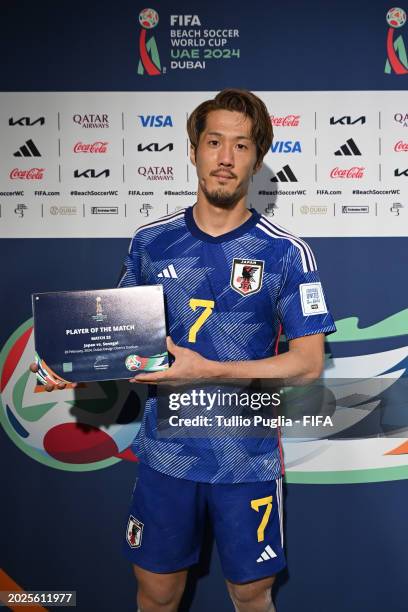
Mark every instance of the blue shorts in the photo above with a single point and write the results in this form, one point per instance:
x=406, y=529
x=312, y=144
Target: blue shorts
x=167, y=516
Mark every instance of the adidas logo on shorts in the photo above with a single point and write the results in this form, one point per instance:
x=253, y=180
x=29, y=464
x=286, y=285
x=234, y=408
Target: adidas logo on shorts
x=267, y=554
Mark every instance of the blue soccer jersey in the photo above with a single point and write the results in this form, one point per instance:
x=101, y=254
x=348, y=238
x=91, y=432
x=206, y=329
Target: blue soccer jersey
x=228, y=298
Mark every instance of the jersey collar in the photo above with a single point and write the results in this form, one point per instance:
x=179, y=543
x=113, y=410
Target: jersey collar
x=235, y=233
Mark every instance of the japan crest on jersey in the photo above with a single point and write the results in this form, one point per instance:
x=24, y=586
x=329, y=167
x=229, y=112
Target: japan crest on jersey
x=134, y=532
x=246, y=276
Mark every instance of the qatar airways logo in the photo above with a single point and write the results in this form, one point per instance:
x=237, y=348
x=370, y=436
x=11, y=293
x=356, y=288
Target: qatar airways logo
x=96, y=147
x=156, y=173
x=91, y=120
x=401, y=147
x=401, y=118
x=285, y=121
x=355, y=172
x=29, y=175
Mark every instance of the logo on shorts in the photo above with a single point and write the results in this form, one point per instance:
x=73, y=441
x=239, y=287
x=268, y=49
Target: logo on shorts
x=246, y=276
x=134, y=532
x=267, y=554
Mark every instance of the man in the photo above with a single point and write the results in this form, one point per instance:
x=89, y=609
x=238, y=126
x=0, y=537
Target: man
x=236, y=281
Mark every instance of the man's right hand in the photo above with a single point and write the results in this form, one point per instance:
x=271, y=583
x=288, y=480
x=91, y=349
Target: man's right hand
x=49, y=387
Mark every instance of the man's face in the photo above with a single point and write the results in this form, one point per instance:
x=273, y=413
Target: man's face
x=225, y=157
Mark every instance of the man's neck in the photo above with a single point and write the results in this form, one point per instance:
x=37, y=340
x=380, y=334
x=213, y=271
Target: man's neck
x=216, y=221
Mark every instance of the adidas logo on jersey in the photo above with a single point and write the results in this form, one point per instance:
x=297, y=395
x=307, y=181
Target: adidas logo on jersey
x=267, y=554
x=168, y=272
x=348, y=148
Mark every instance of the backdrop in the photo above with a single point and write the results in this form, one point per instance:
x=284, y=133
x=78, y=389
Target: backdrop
x=93, y=144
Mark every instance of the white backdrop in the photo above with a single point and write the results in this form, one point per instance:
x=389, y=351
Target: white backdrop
x=109, y=140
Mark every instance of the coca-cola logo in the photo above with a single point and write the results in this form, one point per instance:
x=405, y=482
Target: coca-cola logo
x=29, y=175
x=96, y=147
x=401, y=146
x=285, y=121
x=356, y=172
x=91, y=120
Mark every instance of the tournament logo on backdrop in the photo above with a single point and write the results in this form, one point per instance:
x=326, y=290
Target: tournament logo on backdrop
x=89, y=428
x=93, y=427
x=149, y=61
x=246, y=276
x=188, y=44
x=366, y=377
x=397, y=61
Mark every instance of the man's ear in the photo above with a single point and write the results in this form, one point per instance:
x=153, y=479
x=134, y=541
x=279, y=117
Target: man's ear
x=257, y=167
x=192, y=155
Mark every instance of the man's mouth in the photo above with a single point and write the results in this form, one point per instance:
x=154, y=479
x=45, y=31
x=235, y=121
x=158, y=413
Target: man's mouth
x=223, y=175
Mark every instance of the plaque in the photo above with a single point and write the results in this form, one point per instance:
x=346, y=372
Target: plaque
x=96, y=335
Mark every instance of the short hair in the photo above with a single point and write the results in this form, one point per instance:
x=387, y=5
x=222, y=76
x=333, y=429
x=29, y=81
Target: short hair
x=242, y=101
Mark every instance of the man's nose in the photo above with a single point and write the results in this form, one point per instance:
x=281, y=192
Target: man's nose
x=226, y=155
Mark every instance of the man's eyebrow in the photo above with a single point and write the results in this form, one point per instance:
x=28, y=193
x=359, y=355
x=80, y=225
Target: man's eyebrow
x=236, y=137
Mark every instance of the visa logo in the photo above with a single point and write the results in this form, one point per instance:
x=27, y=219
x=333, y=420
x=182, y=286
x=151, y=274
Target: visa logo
x=156, y=120
x=286, y=146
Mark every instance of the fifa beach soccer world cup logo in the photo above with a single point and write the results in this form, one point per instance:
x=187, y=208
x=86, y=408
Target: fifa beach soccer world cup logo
x=149, y=61
x=397, y=62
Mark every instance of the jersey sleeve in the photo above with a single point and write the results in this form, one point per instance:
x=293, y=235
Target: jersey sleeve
x=130, y=275
x=302, y=305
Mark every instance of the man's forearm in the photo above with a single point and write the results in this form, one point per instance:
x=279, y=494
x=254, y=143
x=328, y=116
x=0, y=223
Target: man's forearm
x=303, y=361
x=291, y=365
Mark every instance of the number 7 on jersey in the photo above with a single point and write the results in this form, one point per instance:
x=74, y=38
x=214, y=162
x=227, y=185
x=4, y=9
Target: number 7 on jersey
x=208, y=306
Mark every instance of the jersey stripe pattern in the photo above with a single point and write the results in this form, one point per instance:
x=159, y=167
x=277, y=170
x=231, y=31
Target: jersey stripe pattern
x=227, y=297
